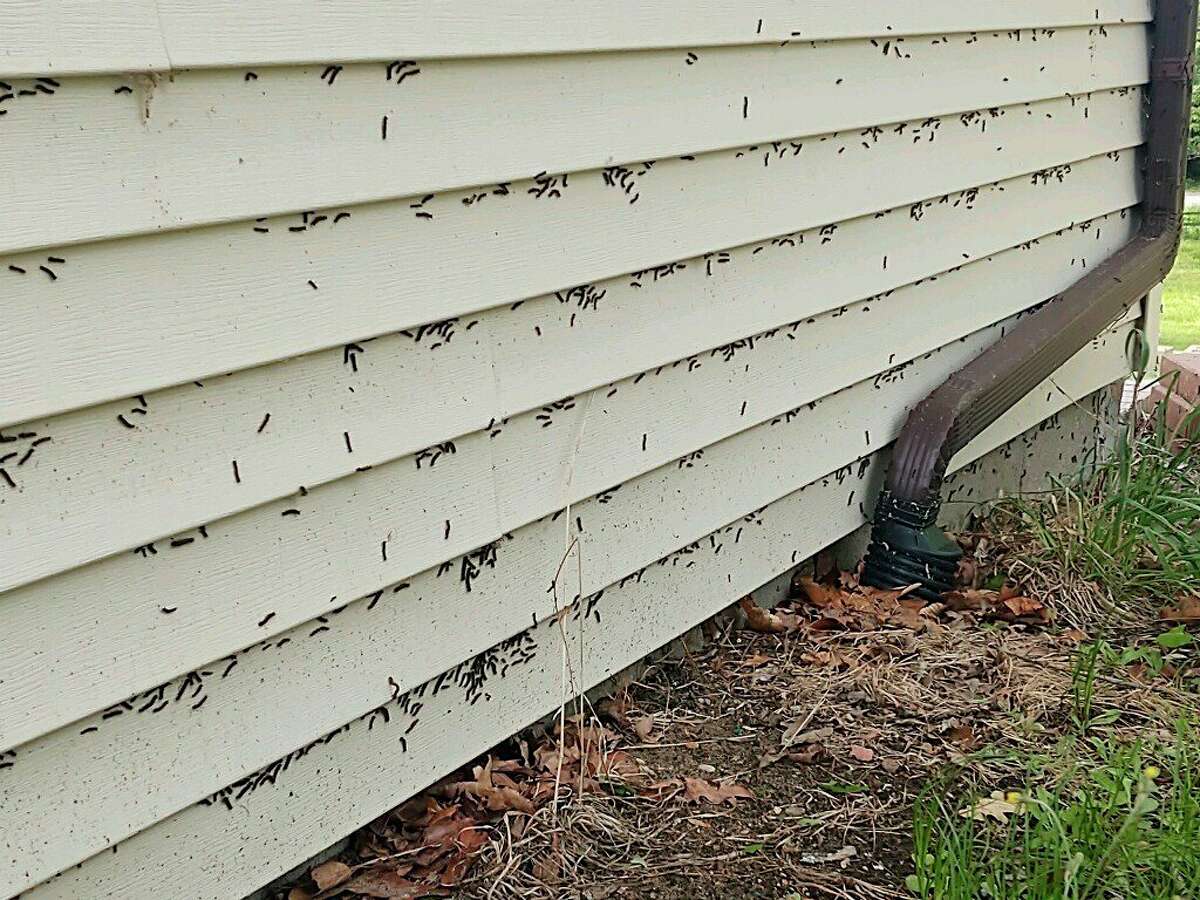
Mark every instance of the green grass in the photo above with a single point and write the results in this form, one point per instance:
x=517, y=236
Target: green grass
x=1096, y=817
x=1111, y=820
x=1131, y=526
x=1181, y=293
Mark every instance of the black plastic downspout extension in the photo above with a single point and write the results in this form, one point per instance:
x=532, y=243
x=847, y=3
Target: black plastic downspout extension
x=907, y=547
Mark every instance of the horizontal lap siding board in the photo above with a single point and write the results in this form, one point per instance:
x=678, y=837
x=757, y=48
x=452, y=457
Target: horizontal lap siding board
x=156, y=613
x=215, y=145
x=286, y=424
x=280, y=816
x=75, y=36
x=126, y=317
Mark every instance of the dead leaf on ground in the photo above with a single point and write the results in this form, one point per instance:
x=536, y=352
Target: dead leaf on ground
x=1026, y=608
x=997, y=807
x=862, y=754
x=329, y=874
x=820, y=595
x=1186, y=610
x=299, y=893
x=1008, y=590
x=388, y=885
x=759, y=619
x=810, y=754
x=793, y=736
x=825, y=658
x=697, y=789
x=861, y=608
x=495, y=790
x=963, y=736
x=1006, y=605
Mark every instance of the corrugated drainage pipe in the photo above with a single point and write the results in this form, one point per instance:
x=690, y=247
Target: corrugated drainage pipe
x=907, y=547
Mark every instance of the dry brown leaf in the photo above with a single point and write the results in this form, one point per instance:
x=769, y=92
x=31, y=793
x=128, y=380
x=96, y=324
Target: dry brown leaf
x=969, y=601
x=499, y=797
x=832, y=658
x=891, y=765
x=997, y=807
x=754, y=660
x=1024, y=607
x=1074, y=636
x=862, y=754
x=389, y=885
x=820, y=595
x=962, y=735
x=759, y=619
x=1186, y=610
x=329, y=874
x=826, y=623
x=299, y=893
x=661, y=790
x=1008, y=591
x=809, y=755
x=792, y=736
x=697, y=789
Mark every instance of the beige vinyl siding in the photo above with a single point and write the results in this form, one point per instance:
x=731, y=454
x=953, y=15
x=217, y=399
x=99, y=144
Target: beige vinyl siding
x=297, y=419
x=413, y=391
x=210, y=146
x=144, y=314
x=86, y=36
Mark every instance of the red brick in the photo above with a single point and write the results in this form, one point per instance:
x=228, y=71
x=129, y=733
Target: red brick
x=1177, y=409
x=1188, y=367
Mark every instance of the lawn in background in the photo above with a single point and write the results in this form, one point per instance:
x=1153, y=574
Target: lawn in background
x=1181, y=293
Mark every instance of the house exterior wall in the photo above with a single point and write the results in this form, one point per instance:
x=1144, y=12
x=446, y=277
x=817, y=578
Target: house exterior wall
x=374, y=380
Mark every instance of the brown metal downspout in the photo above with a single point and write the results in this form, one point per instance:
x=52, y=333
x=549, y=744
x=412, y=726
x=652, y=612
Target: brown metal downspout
x=906, y=545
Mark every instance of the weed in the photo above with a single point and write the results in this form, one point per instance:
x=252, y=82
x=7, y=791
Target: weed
x=1125, y=534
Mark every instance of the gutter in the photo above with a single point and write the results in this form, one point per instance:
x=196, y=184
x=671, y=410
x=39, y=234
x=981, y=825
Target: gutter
x=907, y=547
